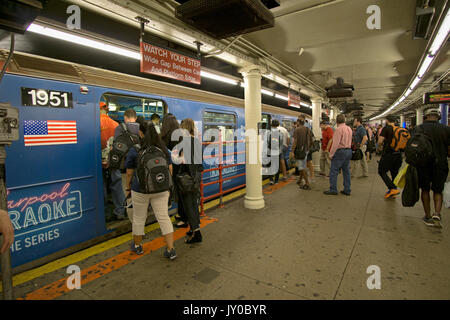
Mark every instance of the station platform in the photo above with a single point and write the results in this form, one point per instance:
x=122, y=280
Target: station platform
x=302, y=245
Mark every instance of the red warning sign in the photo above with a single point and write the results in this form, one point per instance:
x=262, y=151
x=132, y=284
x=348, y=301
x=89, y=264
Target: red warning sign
x=293, y=99
x=169, y=64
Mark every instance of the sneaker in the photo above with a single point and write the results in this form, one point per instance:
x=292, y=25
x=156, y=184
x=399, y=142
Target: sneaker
x=272, y=183
x=330, y=193
x=392, y=193
x=170, y=254
x=437, y=218
x=428, y=221
x=137, y=250
x=345, y=193
x=284, y=179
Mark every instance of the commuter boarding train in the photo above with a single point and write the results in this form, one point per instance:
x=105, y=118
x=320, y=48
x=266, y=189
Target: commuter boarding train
x=54, y=172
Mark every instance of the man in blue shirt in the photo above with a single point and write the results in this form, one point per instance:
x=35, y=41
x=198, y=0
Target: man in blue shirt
x=360, y=140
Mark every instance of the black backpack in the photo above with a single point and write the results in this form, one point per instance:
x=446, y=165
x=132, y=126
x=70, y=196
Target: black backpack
x=419, y=149
x=120, y=147
x=153, y=171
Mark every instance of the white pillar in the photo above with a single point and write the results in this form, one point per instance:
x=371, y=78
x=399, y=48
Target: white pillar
x=419, y=116
x=254, y=198
x=316, y=115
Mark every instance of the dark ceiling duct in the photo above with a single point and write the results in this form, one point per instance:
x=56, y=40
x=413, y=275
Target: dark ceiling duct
x=225, y=18
x=17, y=15
x=340, y=89
x=424, y=16
x=351, y=107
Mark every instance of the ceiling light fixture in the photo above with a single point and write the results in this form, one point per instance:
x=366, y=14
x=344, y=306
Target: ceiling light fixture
x=438, y=41
x=282, y=97
x=216, y=77
x=53, y=33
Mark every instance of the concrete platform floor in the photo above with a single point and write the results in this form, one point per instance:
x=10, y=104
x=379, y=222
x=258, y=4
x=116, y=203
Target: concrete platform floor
x=303, y=245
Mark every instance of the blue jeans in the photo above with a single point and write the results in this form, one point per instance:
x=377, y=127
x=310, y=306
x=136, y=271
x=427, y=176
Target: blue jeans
x=341, y=160
x=118, y=197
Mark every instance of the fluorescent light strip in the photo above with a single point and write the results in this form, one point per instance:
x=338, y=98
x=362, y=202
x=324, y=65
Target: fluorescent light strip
x=267, y=92
x=305, y=105
x=50, y=32
x=441, y=35
x=216, y=77
x=61, y=35
x=282, y=97
x=425, y=65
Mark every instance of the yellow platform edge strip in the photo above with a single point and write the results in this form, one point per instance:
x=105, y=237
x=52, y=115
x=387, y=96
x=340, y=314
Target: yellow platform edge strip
x=102, y=247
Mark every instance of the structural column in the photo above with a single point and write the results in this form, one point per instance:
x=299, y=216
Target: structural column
x=419, y=116
x=254, y=198
x=316, y=114
x=444, y=113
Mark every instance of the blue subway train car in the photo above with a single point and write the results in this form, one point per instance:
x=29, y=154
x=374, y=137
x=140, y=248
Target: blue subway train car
x=54, y=173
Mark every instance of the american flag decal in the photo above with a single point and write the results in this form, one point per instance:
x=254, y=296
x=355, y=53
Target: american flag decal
x=45, y=133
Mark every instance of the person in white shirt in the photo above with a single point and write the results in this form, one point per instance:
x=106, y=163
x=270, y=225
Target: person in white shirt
x=285, y=151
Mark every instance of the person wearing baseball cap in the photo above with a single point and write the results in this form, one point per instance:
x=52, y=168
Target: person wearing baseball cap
x=433, y=177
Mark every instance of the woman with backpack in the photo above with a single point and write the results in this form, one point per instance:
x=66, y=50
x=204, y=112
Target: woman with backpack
x=189, y=177
x=168, y=127
x=150, y=185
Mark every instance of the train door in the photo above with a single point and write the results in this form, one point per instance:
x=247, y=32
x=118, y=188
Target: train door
x=117, y=104
x=232, y=152
x=288, y=124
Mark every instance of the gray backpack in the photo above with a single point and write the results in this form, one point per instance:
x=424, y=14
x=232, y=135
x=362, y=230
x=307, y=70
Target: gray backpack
x=153, y=171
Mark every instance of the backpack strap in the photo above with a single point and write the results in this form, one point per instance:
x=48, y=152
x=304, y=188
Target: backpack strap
x=124, y=126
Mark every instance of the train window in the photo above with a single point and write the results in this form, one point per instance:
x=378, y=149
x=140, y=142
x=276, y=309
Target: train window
x=118, y=104
x=225, y=122
x=217, y=117
x=265, y=118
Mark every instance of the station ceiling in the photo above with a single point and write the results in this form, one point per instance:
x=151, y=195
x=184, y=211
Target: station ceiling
x=333, y=37
x=312, y=43
x=337, y=43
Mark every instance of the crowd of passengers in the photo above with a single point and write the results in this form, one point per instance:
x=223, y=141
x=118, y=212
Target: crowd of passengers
x=155, y=136
x=347, y=146
x=343, y=148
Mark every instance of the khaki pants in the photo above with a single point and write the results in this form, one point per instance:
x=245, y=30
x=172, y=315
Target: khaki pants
x=325, y=162
x=160, y=206
x=355, y=163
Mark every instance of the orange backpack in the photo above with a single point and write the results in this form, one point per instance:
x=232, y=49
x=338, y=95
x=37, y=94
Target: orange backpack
x=399, y=139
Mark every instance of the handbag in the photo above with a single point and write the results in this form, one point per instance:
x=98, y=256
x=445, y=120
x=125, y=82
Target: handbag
x=357, y=154
x=315, y=147
x=185, y=183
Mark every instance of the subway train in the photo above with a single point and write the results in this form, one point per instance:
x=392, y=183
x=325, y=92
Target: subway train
x=54, y=173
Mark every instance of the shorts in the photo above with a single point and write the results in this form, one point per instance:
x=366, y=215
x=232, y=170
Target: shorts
x=433, y=178
x=301, y=164
x=309, y=157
